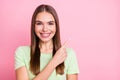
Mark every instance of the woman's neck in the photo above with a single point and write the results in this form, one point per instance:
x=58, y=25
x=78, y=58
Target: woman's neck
x=46, y=47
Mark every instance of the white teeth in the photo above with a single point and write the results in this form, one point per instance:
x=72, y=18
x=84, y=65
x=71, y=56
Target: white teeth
x=45, y=34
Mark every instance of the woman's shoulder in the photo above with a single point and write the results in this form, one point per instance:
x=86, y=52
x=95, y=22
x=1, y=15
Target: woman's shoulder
x=23, y=47
x=22, y=56
x=22, y=50
x=70, y=51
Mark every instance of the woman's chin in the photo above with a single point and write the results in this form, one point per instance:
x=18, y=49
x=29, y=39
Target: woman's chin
x=45, y=40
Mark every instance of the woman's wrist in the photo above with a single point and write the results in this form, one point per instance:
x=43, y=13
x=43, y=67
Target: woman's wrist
x=54, y=63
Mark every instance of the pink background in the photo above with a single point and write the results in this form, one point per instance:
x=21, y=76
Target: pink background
x=92, y=25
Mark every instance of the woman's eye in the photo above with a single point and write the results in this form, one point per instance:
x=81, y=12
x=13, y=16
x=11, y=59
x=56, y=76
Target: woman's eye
x=38, y=23
x=51, y=23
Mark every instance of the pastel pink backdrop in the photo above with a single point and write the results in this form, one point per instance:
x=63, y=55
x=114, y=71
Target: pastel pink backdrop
x=92, y=25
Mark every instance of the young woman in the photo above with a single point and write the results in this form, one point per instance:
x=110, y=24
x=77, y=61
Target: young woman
x=45, y=58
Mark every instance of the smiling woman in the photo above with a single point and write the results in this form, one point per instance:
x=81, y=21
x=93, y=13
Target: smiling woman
x=45, y=27
x=45, y=58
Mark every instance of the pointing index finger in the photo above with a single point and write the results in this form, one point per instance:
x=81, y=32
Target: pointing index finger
x=65, y=44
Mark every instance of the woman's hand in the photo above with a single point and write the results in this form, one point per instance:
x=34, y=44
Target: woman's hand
x=60, y=55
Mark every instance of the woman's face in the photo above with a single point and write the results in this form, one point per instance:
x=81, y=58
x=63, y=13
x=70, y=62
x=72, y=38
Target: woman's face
x=45, y=26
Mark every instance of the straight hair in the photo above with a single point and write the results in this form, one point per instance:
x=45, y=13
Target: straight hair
x=34, y=47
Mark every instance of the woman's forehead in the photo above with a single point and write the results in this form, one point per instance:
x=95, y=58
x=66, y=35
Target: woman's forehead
x=44, y=17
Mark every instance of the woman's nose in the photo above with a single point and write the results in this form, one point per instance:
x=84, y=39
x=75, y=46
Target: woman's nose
x=45, y=27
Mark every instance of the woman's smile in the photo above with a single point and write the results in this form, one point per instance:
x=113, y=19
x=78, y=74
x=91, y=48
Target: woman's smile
x=45, y=35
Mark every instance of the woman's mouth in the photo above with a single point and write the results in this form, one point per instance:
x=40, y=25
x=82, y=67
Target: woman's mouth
x=45, y=35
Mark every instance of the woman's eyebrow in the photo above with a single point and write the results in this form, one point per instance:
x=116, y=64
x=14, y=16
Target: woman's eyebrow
x=48, y=21
x=38, y=21
x=51, y=21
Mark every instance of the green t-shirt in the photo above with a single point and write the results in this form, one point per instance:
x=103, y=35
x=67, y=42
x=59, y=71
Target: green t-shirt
x=22, y=58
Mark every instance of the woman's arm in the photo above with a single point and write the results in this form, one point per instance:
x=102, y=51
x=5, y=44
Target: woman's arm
x=46, y=72
x=58, y=58
x=21, y=73
x=72, y=76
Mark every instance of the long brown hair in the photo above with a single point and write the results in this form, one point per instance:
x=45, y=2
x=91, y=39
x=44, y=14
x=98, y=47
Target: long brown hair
x=35, y=50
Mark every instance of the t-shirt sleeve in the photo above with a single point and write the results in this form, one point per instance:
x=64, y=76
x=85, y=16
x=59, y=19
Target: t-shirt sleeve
x=73, y=64
x=19, y=58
